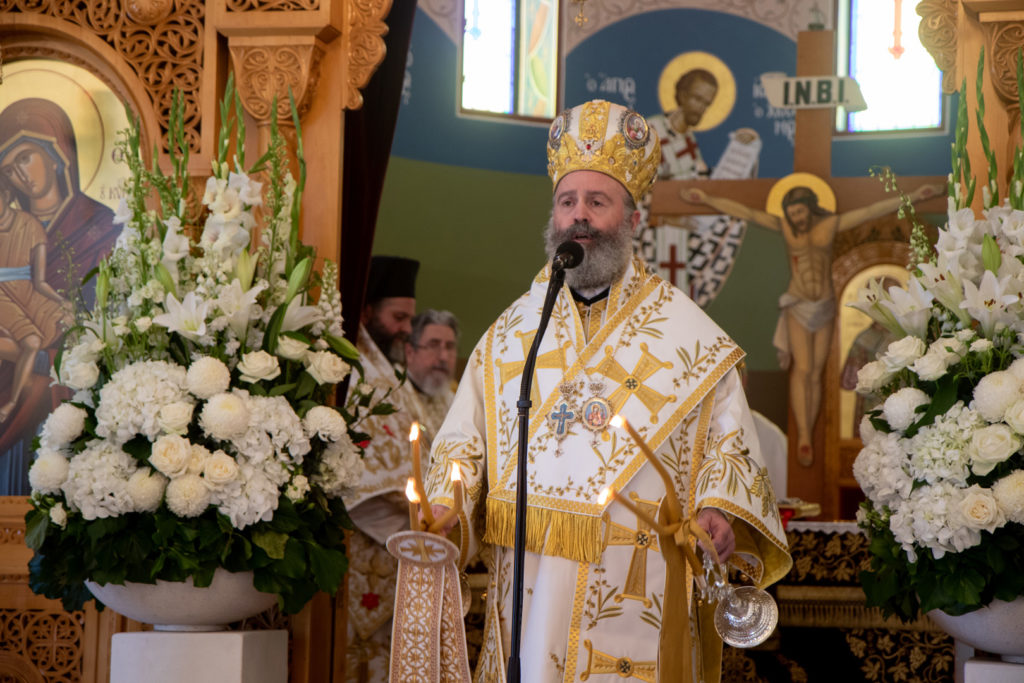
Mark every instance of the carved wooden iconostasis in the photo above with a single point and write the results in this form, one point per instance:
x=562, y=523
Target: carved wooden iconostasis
x=66, y=74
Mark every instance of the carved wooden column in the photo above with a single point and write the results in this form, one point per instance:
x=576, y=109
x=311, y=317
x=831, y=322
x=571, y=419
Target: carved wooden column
x=954, y=32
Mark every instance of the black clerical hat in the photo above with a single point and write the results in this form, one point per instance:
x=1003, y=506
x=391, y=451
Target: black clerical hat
x=391, y=276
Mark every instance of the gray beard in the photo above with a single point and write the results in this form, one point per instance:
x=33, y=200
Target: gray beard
x=605, y=259
x=432, y=383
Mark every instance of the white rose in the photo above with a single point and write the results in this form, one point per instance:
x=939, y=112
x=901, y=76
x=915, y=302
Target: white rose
x=146, y=489
x=872, y=376
x=900, y=409
x=79, y=376
x=326, y=367
x=994, y=393
x=207, y=376
x=188, y=496
x=65, y=424
x=1009, y=493
x=48, y=473
x=981, y=345
x=220, y=469
x=930, y=366
x=58, y=515
x=171, y=455
x=224, y=417
x=950, y=346
x=144, y=323
x=990, y=446
x=200, y=454
x=903, y=352
x=979, y=510
x=257, y=366
x=175, y=417
x=291, y=348
x=1015, y=417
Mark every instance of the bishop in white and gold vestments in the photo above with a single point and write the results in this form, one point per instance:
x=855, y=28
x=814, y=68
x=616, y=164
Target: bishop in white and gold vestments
x=594, y=573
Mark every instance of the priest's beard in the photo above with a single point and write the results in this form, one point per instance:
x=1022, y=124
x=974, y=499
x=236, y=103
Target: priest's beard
x=391, y=345
x=605, y=258
x=433, y=382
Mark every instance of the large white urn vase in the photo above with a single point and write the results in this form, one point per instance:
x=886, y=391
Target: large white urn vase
x=997, y=628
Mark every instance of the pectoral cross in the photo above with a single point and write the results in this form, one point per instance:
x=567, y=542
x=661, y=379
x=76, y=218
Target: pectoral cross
x=642, y=539
x=632, y=383
x=602, y=663
x=561, y=416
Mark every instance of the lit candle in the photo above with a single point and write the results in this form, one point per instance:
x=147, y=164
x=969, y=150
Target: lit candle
x=634, y=508
x=414, y=499
x=417, y=472
x=674, y=507
x=456, y=508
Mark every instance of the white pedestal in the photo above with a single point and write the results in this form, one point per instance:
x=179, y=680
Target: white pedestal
x=992, y=671
x=219, y=657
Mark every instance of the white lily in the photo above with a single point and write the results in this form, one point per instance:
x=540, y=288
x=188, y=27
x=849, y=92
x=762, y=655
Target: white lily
x=186, y=317
x=944, y=286
x=297, y=316
x=912, y=307
x=869, y=301
x=987, y=303
x=176, y=245
x=238, y=305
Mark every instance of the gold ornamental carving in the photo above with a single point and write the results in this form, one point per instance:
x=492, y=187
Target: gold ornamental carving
x=938, y=35
x=365, y=30
x=272, y=5
x=1002, y=40
x=148, y=11
x=266, y=71
x=165, y=55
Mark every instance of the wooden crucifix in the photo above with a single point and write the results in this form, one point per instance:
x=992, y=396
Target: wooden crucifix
x=857, y=199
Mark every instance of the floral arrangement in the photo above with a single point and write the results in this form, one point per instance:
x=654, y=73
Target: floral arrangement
x=199, y=434
x=942, y=465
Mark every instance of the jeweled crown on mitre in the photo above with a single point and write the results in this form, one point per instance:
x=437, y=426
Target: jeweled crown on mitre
x=605, y=137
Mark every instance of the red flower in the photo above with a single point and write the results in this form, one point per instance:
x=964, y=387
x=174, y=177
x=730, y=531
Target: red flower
x=370, y=600
x=364, y=443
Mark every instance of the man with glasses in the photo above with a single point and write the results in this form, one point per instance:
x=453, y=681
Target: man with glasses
x=430, y=355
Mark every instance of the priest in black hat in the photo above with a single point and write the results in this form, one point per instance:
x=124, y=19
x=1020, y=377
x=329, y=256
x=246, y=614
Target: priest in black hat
x=377, y=504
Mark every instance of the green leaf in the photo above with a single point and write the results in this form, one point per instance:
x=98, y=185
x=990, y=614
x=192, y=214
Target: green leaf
x=297, y=279
x=273, y=329
x=272, y=542
x=36, y=522
x=991, y=258
x=343, y=347
x=328, y=567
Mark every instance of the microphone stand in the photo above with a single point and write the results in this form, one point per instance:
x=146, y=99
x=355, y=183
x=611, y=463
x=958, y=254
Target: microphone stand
x=523, y=404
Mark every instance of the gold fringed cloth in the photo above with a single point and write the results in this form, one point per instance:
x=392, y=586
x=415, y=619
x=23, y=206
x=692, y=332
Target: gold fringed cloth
x=428, y=636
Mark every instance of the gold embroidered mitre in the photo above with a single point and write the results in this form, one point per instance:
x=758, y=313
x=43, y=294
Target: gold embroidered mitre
x=605, y=137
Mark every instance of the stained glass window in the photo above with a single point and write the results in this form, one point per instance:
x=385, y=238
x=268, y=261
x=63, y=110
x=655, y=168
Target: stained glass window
x=509, y=57
x=878, y=46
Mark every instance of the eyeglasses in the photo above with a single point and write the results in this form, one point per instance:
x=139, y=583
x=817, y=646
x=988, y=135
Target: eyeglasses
x=436, y=346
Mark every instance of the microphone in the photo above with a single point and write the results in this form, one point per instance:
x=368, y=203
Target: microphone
x=568, y=255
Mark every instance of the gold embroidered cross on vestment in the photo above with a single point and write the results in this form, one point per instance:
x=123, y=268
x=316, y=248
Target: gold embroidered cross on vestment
x=642, y=539
x=632, y=383
x=601, y=663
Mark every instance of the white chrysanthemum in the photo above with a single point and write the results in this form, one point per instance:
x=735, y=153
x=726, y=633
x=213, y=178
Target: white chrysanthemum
x=340, y=468
x=881, y=470
x=225, y=416
x=171, y=455
x=220, y=469
x=59, y=515
x=97, y=483
x=48, y=473
x=900, y=408
x=65, y=424
x=940, y=450
x=1009, y=493
x=146, y=489
x=325, y=423
x=1017, y=369
x=902, y=352
x=187, y=496
x=992, y=445
x=131, y=401
x=994, y=393
x=207, y=377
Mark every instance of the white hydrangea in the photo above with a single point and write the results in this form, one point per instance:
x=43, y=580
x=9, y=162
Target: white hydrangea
x=97, y=483
x=926, y=519
x=900, y=408
x=208, y=376
x=65, y=424
x=225, y=416
x=252, y=498
x=1009, y=493
x=340, y=468
x=274, y=431
x=187, y=496
x=297, y=489
x=939, y=451
x=49, y=472
x=994, y=393
x=131, y=401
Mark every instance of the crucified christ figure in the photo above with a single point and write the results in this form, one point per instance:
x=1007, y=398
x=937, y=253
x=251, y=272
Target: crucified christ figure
x=808, y=306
